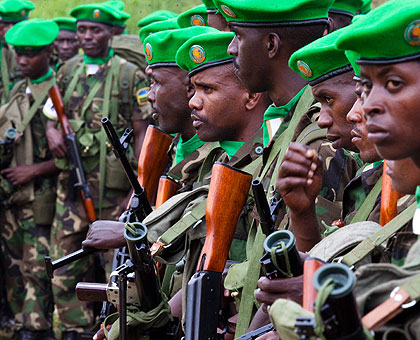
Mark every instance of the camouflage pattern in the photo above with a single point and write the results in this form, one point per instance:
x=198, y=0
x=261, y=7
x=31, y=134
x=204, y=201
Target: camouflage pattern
x=358, y=189
x=130, y=48
x=12, y=68
x=70, y=223
x=25, y=242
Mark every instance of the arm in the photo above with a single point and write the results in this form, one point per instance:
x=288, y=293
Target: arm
x=55, y=140
x=23, y=174
x=105, y=235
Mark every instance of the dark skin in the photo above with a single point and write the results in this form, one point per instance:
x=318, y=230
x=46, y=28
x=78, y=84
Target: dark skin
x=217, y=21
x=338, y=21
x=33, y=66
x=359, y=133
x=336, y=96
x=222, y=108
x=66, y=45
x=4, y=27
x=405, y=175
x=171, y=111
x=391, y=105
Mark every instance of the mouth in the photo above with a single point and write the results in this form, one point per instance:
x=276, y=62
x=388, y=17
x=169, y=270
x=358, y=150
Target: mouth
x=196, y=122
x=389, y=171
x=376, y=134
x=355, y=136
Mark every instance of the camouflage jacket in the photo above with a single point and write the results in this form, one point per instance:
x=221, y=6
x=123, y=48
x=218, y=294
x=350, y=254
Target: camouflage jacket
x=11, y=68
x=358, y=189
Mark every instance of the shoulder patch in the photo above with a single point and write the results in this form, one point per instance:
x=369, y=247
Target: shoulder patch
x=142, y=96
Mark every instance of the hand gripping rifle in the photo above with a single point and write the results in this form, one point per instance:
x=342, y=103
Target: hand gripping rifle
x=80, y=180
x=227, y=195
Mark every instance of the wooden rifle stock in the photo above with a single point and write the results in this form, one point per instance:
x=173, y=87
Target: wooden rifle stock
x=310, y=266
x=389, y=198
x=70, y=137
x=87, y=291
x=166, y=189
x=153, y=159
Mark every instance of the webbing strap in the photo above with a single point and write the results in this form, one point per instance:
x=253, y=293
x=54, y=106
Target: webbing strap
x=5, y=74
x=73, y=83
x=368, y=204
x=365, y=247
x=35, y=106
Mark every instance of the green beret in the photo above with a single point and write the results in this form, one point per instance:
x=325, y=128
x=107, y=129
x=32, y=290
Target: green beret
x=160, y=15
x=32, y=35
x=118, y=7
x=266, y=12
x=160, y=48
x=205, y=51
x=366, y=7
x=196, y=16
x=347, y=7
x=353, y=57
x=210, y=6
x=156, y=27
x=320, y=60
x=68, y=24
x=115, y=4
x=389, y=33
x=98, y=13
x=15, y=10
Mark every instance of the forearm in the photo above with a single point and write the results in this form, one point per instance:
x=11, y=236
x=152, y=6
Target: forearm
x=305, y=228
x=44, y=168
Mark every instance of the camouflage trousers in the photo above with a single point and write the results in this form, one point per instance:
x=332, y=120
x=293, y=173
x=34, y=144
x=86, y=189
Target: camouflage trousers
x=69, y=230
x=28, y=289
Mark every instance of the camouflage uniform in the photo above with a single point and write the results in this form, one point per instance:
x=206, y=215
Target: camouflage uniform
x=70, y=224
x=9, y=68
x=26, y=236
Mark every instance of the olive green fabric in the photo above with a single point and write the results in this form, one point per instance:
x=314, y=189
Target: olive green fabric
x=347, y=7
x=156, y=27
x=156, y=16
x=352, y=57
x=33, y=34
x=161, y=48
x=389, y=33
x=203, y=51
x=320, y=60
x=99, y=13
x=15, y=10
x=366, y=7
x=196, y=16
x=68, y=24
x=261, y=12
x=210, y=6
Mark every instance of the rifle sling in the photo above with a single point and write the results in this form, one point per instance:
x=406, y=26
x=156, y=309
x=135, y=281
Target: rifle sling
x=5, y=73
x=280, y=147
x=368, y=204
x=365, y=247
x=394, y=305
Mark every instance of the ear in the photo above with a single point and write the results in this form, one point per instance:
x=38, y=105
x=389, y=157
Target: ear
x=190, y=89
x=252, y=100
x=330, y=27
x=49, y=50
x=272, y=44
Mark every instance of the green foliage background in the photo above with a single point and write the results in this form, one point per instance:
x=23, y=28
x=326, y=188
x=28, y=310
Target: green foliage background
x=137, y=8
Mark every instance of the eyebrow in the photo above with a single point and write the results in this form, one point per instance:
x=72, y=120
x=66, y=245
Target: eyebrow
x=381, y=73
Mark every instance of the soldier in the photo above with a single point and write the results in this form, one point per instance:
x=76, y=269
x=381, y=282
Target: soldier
x=214, y=18
x=66, y=45
x=342, y=12
x=30, y=207
x=11, y=12
x=99, y=85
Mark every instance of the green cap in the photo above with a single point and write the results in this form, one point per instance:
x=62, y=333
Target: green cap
x=366, y=7
x=196, y=16
x=389, y=33
x=160, y=48
x=156, y=27
x=68, y=24
x=353, y=57
x=98, y=13
x=118, y=7
x=160, y=15
x=266, y=12
x=115, y=4
x=347, y=7
x=204, y=51
x=15, y=10
x=32, y=35
x=210, y=6
x=320, y=60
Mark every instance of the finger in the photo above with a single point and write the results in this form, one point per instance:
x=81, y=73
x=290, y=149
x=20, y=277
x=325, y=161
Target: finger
x=297, y=157
x=289, y=183
x=290, y=168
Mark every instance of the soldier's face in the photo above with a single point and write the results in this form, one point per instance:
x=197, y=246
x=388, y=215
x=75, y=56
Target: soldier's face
x=359, y=133
x=247, y=50
x=4, y=27
x=337, y=97
x=66, y=44
x=94, y=38
x=391, y=106
x=218, y=21
x=35, y=64
x=169, y=98
x=218, y=104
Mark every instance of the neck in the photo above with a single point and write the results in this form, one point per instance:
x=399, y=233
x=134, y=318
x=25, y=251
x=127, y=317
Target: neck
x=188, y=134
x=104, y=54
x=287, y=84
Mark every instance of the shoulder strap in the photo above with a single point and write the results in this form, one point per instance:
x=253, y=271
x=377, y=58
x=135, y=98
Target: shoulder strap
x=5, y=73
x=311, y=133
x=126, y=82
x=369, y=244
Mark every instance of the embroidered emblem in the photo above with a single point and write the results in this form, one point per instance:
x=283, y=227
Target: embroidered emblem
x=197, y=20
x=197, y=54
x=412, y=33
x=23, y=13
x=149, y=51
x=304, y=68
x=142, y=96
x=228, y=11
x=96, y=14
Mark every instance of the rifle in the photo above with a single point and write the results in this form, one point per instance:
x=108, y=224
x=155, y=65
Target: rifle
x=227, y=195
x=389, y=198
x=263, y=209
x=6, y=147
x=166, y=189
x=78, y=175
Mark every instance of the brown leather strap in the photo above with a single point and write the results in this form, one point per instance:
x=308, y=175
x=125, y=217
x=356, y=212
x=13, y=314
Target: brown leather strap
x=156, y=248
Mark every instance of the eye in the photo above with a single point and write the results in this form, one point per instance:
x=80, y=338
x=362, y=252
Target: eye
x=207, y=89
x=328, y=99
x=393, y=84
x=366, y=86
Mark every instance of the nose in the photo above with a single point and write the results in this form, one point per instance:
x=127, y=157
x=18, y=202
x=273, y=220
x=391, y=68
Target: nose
x=151, y=95
x=372, y=103
x=22, y=60
x=325, y=120
x=233, y=47
x=355, y=114
x=195, y=102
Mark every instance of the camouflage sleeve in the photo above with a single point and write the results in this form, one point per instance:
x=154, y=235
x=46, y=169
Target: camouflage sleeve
x=141, y=109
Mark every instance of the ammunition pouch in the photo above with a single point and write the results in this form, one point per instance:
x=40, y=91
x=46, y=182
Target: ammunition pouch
x=44, y=206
